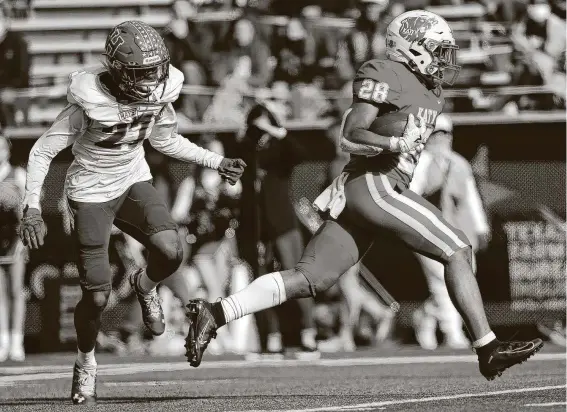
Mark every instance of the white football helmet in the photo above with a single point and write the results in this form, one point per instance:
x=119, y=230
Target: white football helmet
x=425, y=42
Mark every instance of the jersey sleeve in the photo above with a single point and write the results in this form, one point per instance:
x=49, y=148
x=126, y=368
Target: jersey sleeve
x=67, y=128
x=376, y=83
x=165, y=139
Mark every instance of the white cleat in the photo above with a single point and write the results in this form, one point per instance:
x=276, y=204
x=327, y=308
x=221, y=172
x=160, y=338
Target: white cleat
x=17, y=353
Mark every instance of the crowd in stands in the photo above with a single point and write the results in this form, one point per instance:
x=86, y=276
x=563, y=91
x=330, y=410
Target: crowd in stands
x=303, y=54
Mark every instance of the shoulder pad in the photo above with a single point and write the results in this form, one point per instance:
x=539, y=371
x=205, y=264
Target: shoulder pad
x=86, y=91
x=173, y=85
x=379, y=70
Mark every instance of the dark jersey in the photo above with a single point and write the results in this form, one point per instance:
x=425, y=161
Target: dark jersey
x=393, y=87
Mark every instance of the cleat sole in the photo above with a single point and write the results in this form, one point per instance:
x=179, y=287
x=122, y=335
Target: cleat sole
x=191, y=341
x=500, y=371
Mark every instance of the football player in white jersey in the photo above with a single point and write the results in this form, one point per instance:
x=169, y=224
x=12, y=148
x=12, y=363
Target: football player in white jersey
x=111, y=111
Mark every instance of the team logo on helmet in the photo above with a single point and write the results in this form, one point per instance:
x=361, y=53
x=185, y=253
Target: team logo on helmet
x=414, y=28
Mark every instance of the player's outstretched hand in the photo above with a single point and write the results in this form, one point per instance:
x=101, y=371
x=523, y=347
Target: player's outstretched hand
x=32, y=228
x=413, y=132
x=231, y=169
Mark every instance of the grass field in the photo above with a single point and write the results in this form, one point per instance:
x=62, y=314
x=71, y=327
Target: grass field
x=397, y=379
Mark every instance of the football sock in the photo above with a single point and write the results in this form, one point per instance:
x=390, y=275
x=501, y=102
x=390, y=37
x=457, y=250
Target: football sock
x=17, y=339
x=274, y=342
x=87, y=319
x=145, y=284
x=86, y=358
x=308, y=338
x=486, y=344
x=4, y=339
x=265, y=292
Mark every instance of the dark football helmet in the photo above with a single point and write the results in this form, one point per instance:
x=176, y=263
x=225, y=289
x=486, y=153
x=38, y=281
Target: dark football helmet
x=137, y=59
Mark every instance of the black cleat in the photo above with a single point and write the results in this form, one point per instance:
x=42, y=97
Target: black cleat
x=83, y=390
x=202, y=328
x=152, y=313
x=507, y=354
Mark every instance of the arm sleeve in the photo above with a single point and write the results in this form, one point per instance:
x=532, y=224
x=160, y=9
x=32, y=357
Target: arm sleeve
x=165, y=139
x=68, y=127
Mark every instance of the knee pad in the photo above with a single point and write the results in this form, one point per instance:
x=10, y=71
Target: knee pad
x=96, y=299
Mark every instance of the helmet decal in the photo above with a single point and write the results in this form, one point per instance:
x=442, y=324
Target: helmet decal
x=414, y=28
x=115, y=40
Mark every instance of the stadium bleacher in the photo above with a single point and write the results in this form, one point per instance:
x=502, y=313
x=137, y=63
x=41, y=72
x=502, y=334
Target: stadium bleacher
x=68, y=35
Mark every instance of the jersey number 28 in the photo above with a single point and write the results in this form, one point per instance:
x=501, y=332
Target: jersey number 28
x=373, y=90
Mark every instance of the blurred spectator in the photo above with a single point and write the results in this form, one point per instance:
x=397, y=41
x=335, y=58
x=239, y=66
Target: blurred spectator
x=242, y=62
x=206, y=209
x=540, y=37
x=366, y=41
x=266, y=206
x=243, y=50
x=14, y=71
x=445, y=178
x=297, y=67
x=12, y=258
x=295, y=52
x=189, y=45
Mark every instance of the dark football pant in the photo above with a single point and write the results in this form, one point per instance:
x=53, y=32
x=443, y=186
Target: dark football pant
x=140, y=212
x=376, y=207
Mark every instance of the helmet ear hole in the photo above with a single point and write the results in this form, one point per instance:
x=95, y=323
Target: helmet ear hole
x=415, y=52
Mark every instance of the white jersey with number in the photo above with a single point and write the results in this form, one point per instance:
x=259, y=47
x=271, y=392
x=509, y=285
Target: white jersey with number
x=107, y=138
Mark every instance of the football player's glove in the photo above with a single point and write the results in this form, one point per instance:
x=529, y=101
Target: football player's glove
x=412, y=134
x=231, y=169
x=32, y=228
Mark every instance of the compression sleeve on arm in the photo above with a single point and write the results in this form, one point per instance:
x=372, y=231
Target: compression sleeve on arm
x=68, y=126
x=165, y=139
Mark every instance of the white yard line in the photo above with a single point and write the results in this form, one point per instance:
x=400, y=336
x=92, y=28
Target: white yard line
x=378, y=405
x=543, y=405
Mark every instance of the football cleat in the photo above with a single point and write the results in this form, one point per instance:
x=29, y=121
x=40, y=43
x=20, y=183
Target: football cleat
x=307, y=353
x=17, y=353
x=83, y=390
x=152, y=312
x=507, y=354
x=202, y=328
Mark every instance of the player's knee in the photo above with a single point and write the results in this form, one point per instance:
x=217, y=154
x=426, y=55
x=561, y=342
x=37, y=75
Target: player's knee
x=169, y=250
x=311, y=285
x=97, y=300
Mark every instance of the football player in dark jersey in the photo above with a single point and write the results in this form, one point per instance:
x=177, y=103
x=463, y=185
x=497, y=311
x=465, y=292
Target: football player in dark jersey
x=111, y=111
x=371, y=198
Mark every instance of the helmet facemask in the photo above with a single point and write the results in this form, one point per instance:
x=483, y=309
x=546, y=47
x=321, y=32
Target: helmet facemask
x=443, y=66
x=139, y=83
